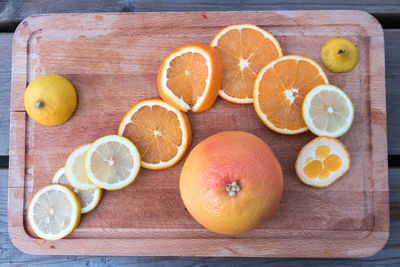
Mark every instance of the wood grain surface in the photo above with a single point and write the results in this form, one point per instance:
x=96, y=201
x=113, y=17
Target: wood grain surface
x=388, y=256
x=112, y=70
x=392, y=63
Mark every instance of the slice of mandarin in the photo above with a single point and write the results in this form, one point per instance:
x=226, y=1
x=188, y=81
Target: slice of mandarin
x=322, y=161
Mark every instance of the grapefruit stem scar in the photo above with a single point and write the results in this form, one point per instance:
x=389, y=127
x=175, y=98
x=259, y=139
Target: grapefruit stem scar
x=232, y=188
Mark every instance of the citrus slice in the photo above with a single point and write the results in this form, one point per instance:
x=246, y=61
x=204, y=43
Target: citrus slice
x=89, y=199
x=328, y=111
x=322, y=161
x=279, y=91
x=75, y=170
x=54, y=212
x=190, y=77
x=161, y=133
x=112, y=162
x=244, y=50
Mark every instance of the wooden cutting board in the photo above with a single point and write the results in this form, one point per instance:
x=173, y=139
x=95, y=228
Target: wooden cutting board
x=113, y=59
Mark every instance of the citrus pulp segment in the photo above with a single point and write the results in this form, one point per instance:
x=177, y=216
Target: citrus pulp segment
x=279, y=91
x=244, y=50
x=322, y=161
x=190, y=77
x=54, y=212
x=112, y=162
x=161, y=133
x=328, y=111
x=75, y=169
x=89, y=199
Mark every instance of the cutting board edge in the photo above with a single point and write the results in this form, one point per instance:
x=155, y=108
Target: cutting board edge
x=20, y=237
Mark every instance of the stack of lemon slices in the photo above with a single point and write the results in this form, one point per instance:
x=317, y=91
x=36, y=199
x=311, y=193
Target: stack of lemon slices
x=111, y=162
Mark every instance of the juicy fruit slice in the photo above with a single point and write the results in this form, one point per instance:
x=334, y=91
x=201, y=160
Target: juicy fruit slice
x=279, y=91
x=54, y=212
x=322, y=161
x=161, y=133
x=231, y=182
x=89, y=199
x=75, y=169
x=244, y=50
x=328, y=111
x=112, y=162
x=190, y=77
x=339, y=55
x=50, y=99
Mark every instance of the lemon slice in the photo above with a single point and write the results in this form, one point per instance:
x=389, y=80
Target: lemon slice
x=322, y=161
x=89, y=199
x=112, y=162
x=328, y=111
x=54, y=212
x=75, y=170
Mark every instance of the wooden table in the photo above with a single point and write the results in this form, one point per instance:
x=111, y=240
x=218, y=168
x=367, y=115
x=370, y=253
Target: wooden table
x=388, y=14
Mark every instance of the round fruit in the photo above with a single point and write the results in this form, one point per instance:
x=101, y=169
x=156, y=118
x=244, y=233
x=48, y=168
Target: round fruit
x=190, y=77
x=54, y=212
x=244, y=50
x=50, y=99
x=89, y=199
x=327, y=111
x=112, y=162
x=231, y=182
x=322, y=162
x=339, y=55
x=161, y=133
x=279, y=91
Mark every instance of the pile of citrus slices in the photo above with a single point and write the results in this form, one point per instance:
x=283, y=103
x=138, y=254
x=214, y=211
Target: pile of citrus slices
x=243, y=64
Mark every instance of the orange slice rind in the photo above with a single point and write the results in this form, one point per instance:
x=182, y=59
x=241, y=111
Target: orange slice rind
x=161, y=133
x=279, y=91
x=190, y=77
x=244, y=50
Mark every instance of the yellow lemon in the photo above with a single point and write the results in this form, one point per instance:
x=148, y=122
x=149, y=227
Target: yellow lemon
x=54, y=212
x=50, y=99
x=339, y=55
x=327, y=111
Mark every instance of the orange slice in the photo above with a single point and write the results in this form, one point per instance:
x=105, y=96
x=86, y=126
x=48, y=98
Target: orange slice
x=322, y=162
x=161, y=133
x=190, y=77
x=244, y=50
x=279, y=91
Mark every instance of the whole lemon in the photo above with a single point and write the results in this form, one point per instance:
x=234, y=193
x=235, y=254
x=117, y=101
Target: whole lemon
x=231, y=182
x=339, y=55
x=50, y=99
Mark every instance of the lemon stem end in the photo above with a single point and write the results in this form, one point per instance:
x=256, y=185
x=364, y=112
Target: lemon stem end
x=39, y=104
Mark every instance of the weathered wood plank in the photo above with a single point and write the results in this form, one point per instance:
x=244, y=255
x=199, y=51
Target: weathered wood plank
x=389, y=255
x=392, y=54
x=5, y=87
x=13, y=11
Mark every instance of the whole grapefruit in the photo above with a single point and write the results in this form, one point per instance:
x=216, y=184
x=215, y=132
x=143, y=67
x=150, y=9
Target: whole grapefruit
x=231, y=182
